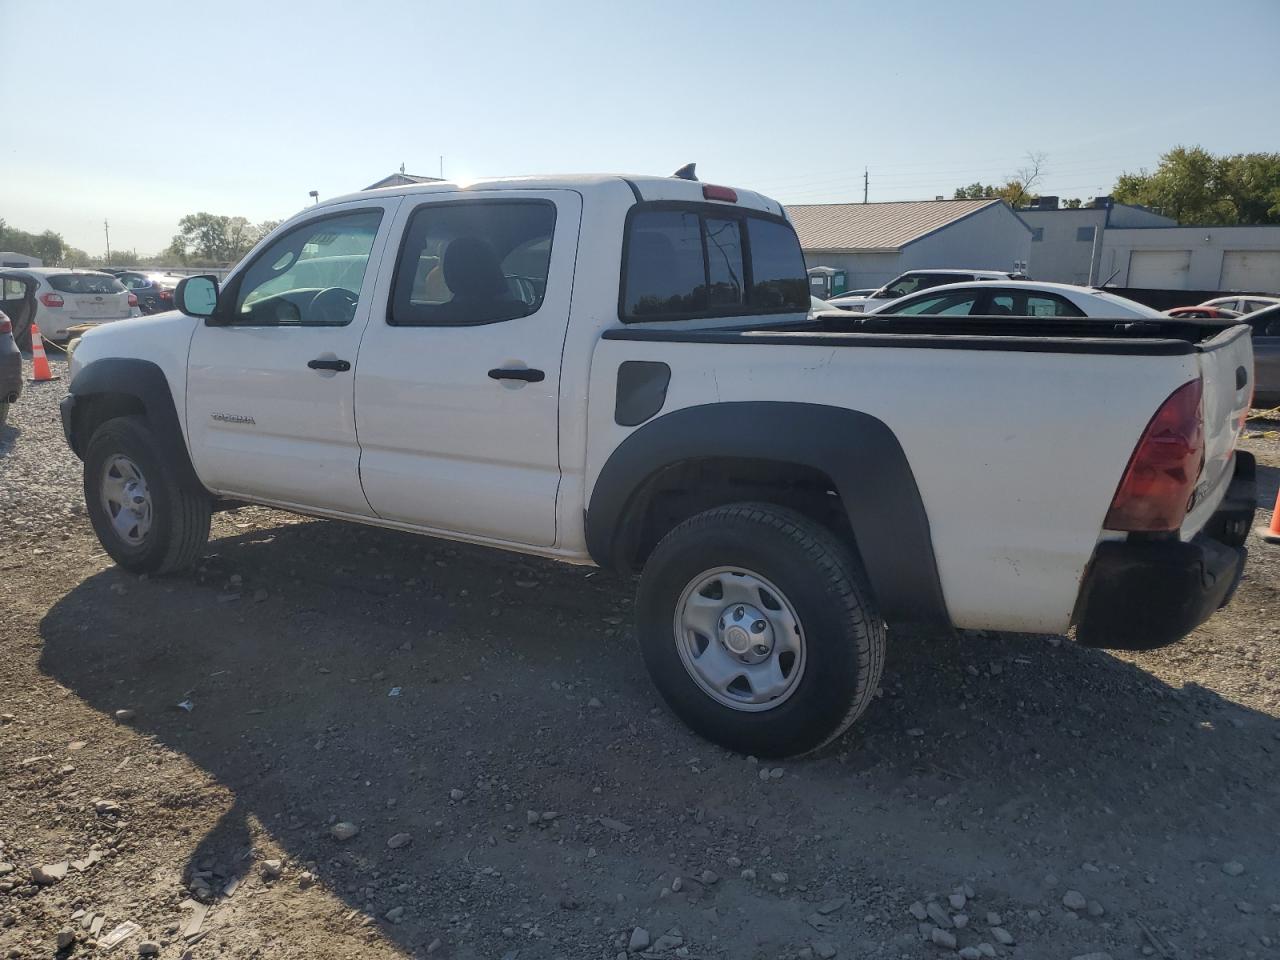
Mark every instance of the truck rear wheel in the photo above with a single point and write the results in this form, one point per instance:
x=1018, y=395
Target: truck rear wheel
x=143, y=516
x=757, y=629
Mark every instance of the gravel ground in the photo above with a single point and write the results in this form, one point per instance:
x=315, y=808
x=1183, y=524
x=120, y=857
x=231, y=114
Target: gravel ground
x=336, y=741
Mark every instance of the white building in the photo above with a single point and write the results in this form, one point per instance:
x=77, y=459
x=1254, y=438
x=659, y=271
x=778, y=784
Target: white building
x=874, y=242
x=8, y=259
x=1128, y=246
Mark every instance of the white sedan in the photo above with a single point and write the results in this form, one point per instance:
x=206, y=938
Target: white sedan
x=1017, y=298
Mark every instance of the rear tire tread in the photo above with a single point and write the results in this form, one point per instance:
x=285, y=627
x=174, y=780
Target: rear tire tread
x=839, y=571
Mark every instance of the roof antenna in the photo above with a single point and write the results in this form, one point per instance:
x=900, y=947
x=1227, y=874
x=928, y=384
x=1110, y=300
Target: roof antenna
x=686, y=172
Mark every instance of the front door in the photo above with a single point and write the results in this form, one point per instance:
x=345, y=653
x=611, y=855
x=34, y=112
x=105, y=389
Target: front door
x=271, y=376
x=457, y=389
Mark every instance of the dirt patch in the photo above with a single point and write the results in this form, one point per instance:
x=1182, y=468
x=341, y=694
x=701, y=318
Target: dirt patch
x=486, y=725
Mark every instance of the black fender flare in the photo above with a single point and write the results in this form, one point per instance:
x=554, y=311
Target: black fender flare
x=143, y=381
x=859, y=452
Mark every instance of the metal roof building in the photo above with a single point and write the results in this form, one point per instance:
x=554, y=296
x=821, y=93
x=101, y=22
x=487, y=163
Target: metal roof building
x=874, y=242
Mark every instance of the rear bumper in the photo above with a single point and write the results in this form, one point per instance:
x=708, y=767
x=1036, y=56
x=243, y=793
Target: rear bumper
x=1142, y=594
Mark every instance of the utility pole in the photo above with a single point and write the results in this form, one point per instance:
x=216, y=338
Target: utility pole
x=866, y=183
x=106, y=228
x=442, y=166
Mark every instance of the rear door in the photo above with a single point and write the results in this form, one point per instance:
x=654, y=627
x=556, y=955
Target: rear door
x=271, y=381
x=458, y=381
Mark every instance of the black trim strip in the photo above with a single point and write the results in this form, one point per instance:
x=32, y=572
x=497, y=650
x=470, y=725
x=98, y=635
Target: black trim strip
x=1092, y=336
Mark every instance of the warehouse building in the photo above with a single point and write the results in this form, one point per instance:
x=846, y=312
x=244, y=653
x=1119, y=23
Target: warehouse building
x=1129, y=246
x=871, y=243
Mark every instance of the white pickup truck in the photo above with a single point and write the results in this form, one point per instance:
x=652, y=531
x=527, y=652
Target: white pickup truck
x=620, y=371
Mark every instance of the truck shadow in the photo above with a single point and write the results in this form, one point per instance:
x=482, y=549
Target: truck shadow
x=410, y=686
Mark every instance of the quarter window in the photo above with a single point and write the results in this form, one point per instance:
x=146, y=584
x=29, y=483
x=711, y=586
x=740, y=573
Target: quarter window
x=958, y=303
x=310, y=276
x=686, y=262
x=481, y=261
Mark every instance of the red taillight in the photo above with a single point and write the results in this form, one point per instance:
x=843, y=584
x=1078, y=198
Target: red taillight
x=711, y=192
x=133, y=299
x=6, y=325
x=51, y=299
x=1155, y=492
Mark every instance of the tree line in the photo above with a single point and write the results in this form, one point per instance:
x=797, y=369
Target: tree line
x=203, y=240
x=1190, y=185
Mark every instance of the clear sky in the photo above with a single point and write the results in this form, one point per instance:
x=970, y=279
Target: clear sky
x=141, y=112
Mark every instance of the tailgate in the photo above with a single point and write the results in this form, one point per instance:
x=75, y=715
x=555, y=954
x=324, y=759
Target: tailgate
x=99, y=306
x=1226, y=366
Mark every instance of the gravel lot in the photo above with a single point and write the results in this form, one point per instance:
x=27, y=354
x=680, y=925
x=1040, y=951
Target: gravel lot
x=399, y=747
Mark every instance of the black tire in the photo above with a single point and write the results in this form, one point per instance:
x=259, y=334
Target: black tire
x=843, y=634
x=179, y=527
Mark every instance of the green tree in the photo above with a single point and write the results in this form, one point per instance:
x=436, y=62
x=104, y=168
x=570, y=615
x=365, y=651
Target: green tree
x=1196, y=187
x=1017, y=188
x=213, y=239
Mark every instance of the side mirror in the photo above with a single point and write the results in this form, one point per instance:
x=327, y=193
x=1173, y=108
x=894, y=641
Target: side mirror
x=197, y=296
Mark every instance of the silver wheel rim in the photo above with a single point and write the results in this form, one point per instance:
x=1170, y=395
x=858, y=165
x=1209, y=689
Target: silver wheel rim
x=126, y=499
x=740, y=639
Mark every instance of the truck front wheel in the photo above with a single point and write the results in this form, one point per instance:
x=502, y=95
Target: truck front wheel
x=757, y=630
x=146, y=520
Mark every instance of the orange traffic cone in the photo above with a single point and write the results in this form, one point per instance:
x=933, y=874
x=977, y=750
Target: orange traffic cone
x=39, y=362
x=1271, y=534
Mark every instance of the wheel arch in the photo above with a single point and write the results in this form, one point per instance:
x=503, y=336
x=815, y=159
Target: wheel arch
x=123, y=386
x=786, y=452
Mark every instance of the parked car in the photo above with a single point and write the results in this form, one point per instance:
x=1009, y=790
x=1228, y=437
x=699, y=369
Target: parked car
x=10, y=368
x=1025, y=298
x=1265, y=324
x=153, y=290
x=914, y=281
x=66, y=298
x=784, y=491
x=18, y=302
x=849, y=297
x=1202, y=313
x=1243, y=303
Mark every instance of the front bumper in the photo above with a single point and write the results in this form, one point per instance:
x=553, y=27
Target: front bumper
x=10, y=376
x=67, y=409
x=1141, y=594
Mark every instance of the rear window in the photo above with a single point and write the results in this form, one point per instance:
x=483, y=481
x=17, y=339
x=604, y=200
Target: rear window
x=85, y=283
x=689, y=261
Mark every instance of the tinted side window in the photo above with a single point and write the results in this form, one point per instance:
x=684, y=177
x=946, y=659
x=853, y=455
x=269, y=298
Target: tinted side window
x=685, y=263
x=959, y=303
x=665, y=272
x=1024, y=304
x=1266, y=323
x=310, y=276
x=473, y=262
